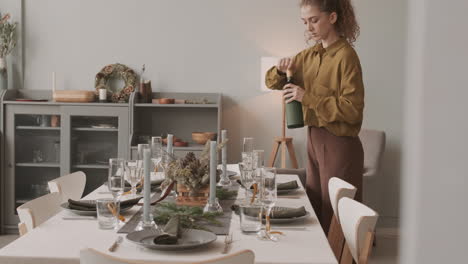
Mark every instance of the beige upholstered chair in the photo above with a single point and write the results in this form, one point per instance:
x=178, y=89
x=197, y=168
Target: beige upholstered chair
x=37, y=211
x=338, y=189
x=92, y=256
x=373, y=143
x=358, y=223
x=71, y=186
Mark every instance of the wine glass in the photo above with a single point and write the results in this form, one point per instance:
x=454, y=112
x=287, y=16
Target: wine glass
x=246, y=172
x=258, y=162
x=116, y=182
x=268, y=197
x=116, y=178
x=133, y=174
x=156, y=151
x=248, y=144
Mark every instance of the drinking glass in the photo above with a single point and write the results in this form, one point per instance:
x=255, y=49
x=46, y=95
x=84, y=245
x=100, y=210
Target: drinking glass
x=268, y=195
x=250, y=218
x=107, y=209
x=248, y=144
x=133, y=173
x=141, y=150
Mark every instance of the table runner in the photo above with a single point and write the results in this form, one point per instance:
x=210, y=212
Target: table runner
x=225, y=219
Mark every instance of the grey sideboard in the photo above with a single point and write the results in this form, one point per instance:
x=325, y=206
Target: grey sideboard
x=44, y=140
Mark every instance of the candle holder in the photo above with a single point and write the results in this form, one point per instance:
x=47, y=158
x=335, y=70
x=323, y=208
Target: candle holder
x=224, y=181
x=147, y=224
x=213, y=206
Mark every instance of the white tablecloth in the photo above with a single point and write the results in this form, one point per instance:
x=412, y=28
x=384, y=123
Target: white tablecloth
x=60, y=241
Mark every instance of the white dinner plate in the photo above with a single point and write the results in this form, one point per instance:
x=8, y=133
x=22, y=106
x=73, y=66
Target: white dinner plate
x=191, y=238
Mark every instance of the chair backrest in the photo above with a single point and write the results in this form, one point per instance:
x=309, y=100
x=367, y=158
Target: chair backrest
x=37, y=211
x=358, y=223
x=71, y=186
x=373, y=143
x=338, y=189
x=92, y=256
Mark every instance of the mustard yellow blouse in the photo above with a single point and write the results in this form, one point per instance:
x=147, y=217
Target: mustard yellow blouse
x=334, y=91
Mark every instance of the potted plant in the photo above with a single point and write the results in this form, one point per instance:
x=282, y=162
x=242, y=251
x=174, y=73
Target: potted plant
x=7, y=43
x=192, y=176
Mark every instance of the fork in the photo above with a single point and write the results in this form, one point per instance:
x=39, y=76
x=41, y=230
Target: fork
x=227, y=242
x=116, y=244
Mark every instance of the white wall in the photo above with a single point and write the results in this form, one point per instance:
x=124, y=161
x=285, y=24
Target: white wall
x=435, y=178
x=215, y=46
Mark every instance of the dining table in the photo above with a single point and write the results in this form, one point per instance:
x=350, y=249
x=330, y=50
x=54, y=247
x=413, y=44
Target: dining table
x=59, y=241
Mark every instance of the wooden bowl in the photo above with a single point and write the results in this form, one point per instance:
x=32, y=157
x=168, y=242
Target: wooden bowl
x=203, y=137
x=180, y=144
x=166, y=100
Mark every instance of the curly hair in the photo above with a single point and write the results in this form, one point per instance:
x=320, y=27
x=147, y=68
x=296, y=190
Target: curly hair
x=346, y=24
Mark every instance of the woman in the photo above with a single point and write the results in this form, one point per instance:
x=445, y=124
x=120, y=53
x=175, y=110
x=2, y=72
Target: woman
x=328, y=82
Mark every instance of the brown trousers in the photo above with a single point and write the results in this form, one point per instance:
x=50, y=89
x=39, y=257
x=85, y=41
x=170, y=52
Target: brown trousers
x=331, y=156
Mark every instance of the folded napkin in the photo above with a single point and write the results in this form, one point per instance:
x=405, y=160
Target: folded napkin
x=276, y=213
x=170, y=233
x=90, y=205
x=291, y=185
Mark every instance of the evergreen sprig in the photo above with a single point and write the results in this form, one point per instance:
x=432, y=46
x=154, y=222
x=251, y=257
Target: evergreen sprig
x=190, y=216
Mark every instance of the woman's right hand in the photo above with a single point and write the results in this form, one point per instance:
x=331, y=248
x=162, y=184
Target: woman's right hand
x=284, y=64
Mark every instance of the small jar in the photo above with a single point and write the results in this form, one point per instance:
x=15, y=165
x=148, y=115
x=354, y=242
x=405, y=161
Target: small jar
x=102, y=95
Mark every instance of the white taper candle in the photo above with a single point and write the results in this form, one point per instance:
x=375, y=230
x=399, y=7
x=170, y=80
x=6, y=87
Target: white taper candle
x=170, y=139
x=213, y=165
x=146, y=185
x=224, y=152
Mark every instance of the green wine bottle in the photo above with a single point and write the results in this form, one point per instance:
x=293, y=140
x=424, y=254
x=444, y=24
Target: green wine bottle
x=294, y=115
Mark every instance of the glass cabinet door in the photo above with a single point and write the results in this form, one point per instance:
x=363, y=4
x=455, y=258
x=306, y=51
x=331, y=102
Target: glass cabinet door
x=94, y=140
x=37, y=154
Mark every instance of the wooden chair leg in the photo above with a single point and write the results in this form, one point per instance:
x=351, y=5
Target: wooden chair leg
x=283, y=154
x=367, y=248
x=346, y=256
x=336, y=237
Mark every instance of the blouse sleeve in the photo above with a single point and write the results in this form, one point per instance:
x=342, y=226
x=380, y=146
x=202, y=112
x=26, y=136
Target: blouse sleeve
x=276, y=80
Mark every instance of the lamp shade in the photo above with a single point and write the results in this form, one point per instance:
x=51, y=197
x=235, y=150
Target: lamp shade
x=266, y=63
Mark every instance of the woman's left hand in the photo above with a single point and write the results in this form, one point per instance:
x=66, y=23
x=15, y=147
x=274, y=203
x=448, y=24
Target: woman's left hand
x=292, y=92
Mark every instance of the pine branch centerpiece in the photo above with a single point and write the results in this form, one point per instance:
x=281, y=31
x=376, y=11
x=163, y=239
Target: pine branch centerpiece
x=192, y=175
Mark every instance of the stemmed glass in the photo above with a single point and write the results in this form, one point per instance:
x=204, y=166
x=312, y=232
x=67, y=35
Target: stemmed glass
x=156, y=151
x=133, y=174
x=246, y=172
x=116, y=181
x=268, y=197
x=258, y=163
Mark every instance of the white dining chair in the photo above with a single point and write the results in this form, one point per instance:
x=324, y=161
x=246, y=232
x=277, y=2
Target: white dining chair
x=92, y=256
x=337, y=189
x=71, y=186
x=37, y=211
x=358, y=223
